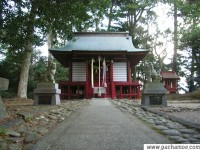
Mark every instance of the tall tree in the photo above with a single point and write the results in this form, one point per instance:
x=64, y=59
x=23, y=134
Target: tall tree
x=132, y=11
x=25, y=21
x=98, y=11
x=190, y=40
x=174, y=64
x=176, y=5
x=110, y=14
x=28, y=49
x=129, y=15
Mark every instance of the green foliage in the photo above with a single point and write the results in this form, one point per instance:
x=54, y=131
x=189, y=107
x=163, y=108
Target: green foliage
x=38, y=67
x=38, y=70
x=2, y=132
x=24, y=24
x=190, y=11
x=62, y=73
x=190, y=41
x=10, y=70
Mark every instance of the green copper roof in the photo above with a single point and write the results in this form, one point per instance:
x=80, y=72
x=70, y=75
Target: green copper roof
x=100, y=41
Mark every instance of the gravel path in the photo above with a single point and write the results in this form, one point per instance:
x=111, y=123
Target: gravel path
x=101, y=126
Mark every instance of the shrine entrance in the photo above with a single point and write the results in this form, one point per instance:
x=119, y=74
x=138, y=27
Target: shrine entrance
x=99, y=73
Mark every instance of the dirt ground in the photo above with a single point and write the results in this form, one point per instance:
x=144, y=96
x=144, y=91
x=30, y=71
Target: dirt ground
x=17, y=101
x=16, y=105
x=26, y=123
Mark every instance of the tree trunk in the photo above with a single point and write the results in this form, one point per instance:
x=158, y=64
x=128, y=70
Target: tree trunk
x=24, y=74
x=50, y=44
x=23, y=81
x=133, y=73
x=174, y=67
x=191, y=79
x=110, y=16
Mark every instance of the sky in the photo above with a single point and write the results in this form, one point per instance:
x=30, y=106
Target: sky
x=165, y=21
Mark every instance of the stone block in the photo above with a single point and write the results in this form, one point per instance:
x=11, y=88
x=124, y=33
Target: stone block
x=4, y=84
x=47, y=93
x=154, y=88
x=47, y=85
x=43, y=90
x=96, y=90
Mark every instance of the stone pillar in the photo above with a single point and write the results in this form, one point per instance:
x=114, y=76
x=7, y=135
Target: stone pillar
x=3, y=86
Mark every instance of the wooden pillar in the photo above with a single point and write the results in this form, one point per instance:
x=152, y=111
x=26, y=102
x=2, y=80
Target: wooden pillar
x=130, y=91
x=128, y=71
x=113, y=94
x=70, y=71
x=120, y=92
x=68, y=92
x=129, y=77
x=87, y=84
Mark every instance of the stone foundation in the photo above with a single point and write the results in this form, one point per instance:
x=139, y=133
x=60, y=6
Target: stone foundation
x=47, y=94
x=154, y=94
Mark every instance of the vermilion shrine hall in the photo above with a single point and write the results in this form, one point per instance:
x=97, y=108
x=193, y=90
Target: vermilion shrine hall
x=99, y=65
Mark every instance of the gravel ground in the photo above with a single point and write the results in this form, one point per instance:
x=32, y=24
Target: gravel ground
x=187, y=110
x=26, y=123
x=170, y=121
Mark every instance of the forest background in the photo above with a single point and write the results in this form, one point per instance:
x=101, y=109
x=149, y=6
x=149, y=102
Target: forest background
x=26, y=25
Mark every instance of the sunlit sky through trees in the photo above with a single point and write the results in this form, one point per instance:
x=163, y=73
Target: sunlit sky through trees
x=164, y=21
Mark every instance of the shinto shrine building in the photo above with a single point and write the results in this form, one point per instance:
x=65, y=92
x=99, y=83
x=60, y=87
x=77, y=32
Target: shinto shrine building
x=170, y=81
x=99, y=65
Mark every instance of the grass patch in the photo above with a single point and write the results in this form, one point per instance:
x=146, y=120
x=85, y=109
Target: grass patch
x=196, y=94
x=28, y=119
x=2, y=132
x=179, y=97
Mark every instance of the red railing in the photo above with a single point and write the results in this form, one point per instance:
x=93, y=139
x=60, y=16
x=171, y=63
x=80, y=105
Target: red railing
x=79, y=90
x=127, y=90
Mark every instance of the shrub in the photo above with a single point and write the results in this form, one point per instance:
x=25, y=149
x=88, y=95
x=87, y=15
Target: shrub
x=196, y=94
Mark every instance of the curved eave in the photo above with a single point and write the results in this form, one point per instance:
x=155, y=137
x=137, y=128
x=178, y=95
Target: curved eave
x=94, y=51
x=66, y=57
